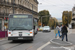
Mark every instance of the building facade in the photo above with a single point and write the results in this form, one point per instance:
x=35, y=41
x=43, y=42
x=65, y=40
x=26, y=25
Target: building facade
x=17, y=7
x=73, y=18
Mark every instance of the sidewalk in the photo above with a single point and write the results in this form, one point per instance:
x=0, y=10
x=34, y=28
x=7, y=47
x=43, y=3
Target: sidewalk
x=71, y=30
x=60, y=42
x=2, y=39
x=71, y=39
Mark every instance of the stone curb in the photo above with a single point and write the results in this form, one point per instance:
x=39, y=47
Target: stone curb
x=3, y=39
x=70, y=44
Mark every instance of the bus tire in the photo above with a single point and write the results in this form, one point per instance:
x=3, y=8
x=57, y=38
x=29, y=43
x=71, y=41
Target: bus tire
x=31, y=40
x=13, y=40
x=35, y=33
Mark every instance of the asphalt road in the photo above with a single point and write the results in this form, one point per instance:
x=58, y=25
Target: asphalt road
x=41, y=42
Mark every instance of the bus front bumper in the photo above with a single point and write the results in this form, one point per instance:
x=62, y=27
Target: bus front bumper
x=20, y=38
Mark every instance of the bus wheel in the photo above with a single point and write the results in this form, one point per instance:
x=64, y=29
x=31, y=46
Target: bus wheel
x=13, y=40
x=31, y=40
x=35, y=33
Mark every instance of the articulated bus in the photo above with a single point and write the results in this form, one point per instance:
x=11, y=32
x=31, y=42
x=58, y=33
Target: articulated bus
x=21, y=27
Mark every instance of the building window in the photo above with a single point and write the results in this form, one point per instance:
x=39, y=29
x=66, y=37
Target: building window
x=4, y=0
x=0, y=24
x=74, y=7
x=0, y=9
x=7, y=0
x=12, y=1
x=7, y=10
x=73, y=14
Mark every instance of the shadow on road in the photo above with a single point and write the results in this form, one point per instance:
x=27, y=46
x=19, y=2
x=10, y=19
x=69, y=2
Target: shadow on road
x=21, y=41
x=46, y=32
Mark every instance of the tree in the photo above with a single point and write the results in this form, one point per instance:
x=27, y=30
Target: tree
x=39, y=23
x=53, y=22
x=44, y=14
x=66, y=17
x=70, y=16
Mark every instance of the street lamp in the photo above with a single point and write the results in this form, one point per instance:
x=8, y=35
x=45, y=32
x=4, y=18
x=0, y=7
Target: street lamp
x=41, y=19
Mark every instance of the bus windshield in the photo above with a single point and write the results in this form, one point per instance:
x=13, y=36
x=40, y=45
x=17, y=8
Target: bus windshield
x=20, y=24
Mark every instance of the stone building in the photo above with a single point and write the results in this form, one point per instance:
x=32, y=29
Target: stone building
x=73, y=18
x=17, y=7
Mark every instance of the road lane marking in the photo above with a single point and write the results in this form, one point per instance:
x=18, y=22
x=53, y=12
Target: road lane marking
x=66, y=48
x=44, y=45
x=69, y=48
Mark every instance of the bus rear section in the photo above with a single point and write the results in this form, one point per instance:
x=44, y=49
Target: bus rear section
x=20, y=27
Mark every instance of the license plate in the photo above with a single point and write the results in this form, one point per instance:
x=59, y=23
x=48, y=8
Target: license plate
x=20, y=38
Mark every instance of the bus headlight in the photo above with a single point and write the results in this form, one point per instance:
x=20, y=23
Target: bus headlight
x=9, y=35
x=31, y=34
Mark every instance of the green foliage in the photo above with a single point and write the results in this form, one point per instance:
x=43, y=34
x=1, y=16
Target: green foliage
x=39, y=23
x=66, y=17
x=53, y=22
x=44, y=14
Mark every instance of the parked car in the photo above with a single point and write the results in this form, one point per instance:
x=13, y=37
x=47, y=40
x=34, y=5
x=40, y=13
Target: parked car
x=40, y=29
x=46, y=28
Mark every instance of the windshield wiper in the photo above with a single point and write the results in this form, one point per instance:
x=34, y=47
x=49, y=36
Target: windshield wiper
x=19, y=28
x=13, y=29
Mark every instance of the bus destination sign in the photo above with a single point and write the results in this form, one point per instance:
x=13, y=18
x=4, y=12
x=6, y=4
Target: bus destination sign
x=20, y=16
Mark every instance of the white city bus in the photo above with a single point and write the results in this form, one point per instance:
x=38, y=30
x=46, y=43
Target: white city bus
x=21, y=27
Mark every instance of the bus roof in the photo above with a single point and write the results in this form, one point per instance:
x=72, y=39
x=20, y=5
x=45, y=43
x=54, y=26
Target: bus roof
x=20, y=14
x=16, y=15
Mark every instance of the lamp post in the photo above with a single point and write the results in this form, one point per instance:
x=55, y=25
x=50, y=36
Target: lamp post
x=41, y=21
x=13, y=6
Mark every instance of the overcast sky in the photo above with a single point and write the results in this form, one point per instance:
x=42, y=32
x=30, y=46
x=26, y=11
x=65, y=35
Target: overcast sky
x=56, y=7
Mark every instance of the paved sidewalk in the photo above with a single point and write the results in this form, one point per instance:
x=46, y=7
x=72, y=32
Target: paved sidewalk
x=1, y=39
x=60, y=42
x=71, y=31
x=71, y=38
